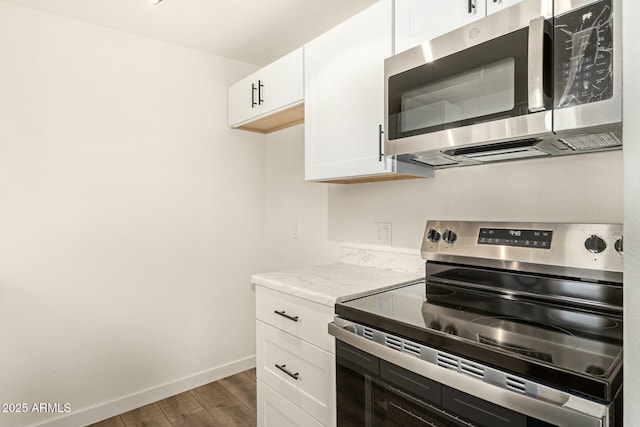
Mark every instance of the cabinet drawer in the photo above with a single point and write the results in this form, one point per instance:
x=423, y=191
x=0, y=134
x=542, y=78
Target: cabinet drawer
x=299, y=371
x=276, y=411
x=304, y=319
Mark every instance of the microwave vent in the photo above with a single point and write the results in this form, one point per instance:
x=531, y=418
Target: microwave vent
x=509, y=154
x=596, y=141
x=435, y=161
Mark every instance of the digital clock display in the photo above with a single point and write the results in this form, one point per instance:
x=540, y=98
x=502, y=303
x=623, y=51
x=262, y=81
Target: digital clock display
x=540, y=239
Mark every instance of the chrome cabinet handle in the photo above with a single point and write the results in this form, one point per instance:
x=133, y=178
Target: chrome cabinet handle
x=284, y=314
x=295, y=376
x=253, y=95
x=472, y=5
x=380, y=153
x=536, y=65
x=260, y=86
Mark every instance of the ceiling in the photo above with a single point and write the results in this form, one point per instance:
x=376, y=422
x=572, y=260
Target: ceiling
x=253, y=31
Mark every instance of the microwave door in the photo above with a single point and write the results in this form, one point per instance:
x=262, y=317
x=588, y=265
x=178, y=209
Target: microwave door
x=497, y=88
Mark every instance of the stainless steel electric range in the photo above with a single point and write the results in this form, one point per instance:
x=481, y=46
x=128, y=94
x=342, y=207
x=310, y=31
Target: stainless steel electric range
x=516, y=324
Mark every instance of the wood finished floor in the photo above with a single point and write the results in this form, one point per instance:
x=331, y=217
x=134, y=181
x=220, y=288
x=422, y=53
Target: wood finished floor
x=229, y=402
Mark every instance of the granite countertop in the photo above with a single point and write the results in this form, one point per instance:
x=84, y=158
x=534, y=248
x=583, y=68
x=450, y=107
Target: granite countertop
x=331, y=283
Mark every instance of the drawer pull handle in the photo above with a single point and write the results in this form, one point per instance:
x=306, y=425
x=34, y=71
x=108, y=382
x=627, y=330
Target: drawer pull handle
x=282, y=368
x=283, y=314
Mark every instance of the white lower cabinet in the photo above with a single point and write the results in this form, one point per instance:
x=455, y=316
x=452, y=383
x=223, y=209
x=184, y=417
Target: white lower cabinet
x=276, y=411
x=302, y=318
x=296, y=376
x=297, y=370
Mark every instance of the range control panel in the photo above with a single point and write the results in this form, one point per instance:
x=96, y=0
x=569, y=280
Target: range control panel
x=585, y=246
x=515, y=237
x=583, y=55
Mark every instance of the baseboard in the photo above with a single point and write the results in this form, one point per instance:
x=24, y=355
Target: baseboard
x=114, y=407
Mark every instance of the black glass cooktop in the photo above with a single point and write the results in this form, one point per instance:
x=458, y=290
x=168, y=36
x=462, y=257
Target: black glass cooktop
x=568, y=348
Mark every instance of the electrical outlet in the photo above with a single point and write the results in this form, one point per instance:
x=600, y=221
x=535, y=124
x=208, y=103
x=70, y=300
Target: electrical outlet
x=382, y=233
x=295, y=229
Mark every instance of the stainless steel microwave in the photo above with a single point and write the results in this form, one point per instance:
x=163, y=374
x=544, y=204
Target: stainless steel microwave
x=536, y=79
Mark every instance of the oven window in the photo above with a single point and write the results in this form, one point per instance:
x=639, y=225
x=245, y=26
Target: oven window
x=485, y=90
x=367, y=401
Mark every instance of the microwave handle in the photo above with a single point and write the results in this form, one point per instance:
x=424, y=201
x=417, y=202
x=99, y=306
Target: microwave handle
x=380, y=153
x=536, y=64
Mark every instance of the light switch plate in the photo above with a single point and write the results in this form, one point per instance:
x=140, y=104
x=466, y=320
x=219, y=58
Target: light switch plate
x=382, y=234
x=295, y=229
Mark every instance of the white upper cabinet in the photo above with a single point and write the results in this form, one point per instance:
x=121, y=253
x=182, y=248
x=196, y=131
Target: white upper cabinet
x=495, y=5
x=344, y=98
x=271, y=98
x=344, y=72
x=418, y=21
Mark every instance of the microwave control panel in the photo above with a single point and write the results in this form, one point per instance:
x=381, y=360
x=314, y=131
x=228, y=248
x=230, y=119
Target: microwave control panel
x=583, y=55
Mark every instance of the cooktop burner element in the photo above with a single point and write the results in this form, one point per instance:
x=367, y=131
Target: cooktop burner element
x=538, y=335
x=531, y=299
x=582, y=321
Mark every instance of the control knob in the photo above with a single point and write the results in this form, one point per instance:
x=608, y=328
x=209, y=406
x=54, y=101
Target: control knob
x=449, y=236
x=595, y=370
x=595, y=244
x=433, y=235
x=618, y=246
x=434, y=324
x=450, y=329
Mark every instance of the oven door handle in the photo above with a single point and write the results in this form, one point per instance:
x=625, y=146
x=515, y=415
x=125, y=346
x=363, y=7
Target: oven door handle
x=536, y=58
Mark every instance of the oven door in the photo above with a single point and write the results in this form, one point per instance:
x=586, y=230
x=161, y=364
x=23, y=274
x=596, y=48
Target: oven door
x=373, y=392
x=379, y=385
x=489, y=81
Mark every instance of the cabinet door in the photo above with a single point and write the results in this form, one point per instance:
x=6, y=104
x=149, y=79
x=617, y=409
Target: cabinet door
x=418, y=21
x=474, y=10
x=276, y=411
x=299, y=371
x=273, y=88
x=344, y=96
x=282, y=83
x=495, y=5
x=242, y=103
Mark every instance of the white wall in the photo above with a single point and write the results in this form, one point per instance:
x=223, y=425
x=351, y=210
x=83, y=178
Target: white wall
x=128, y=219
x=631, y=112
x=290, y=199
x=581, y=188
